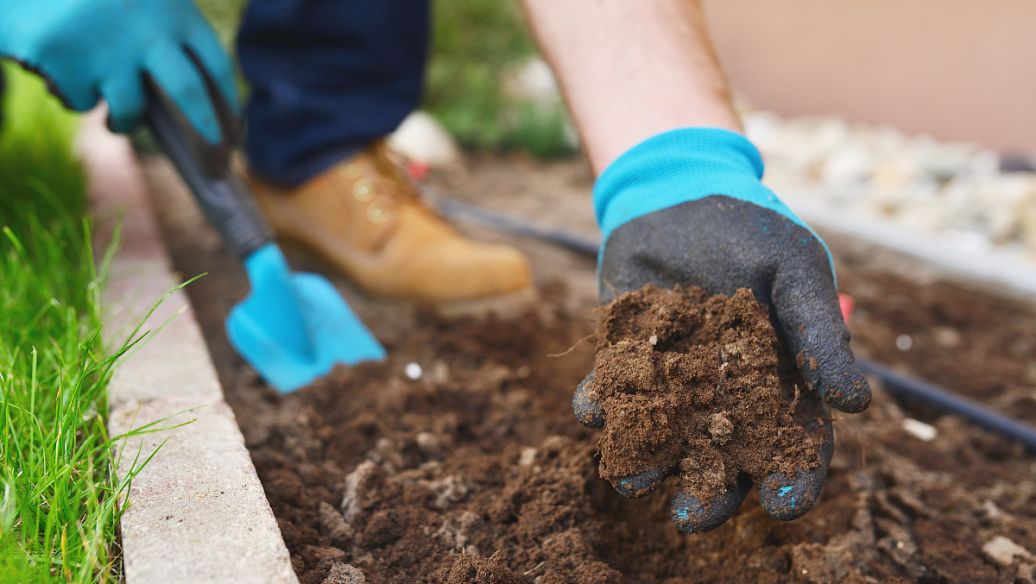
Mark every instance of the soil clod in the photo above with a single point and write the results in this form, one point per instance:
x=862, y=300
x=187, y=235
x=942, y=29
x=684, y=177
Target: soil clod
x=698, y=383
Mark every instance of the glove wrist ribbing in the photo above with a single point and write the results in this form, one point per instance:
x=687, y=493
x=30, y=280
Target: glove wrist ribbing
x=679, y=166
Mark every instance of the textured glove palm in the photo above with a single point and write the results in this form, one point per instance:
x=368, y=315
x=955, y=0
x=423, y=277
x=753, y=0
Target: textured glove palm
x=93, y=49
x=687, y=207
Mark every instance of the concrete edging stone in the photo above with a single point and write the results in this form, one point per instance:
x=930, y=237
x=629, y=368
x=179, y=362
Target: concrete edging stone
x=197, y=512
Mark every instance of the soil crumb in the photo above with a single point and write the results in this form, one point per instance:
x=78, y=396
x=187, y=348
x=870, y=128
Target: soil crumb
x=694, y=382
x=471, y=569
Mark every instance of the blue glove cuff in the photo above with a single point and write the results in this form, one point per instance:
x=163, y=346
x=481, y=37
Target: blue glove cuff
x=678, y=166
x=684, y=165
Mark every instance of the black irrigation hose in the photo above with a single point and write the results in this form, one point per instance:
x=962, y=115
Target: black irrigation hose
x=899, y=384
x=895, y=383
x=460, y=210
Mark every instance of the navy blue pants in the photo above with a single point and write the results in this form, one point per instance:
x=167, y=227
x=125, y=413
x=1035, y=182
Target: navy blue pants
x=328, y=78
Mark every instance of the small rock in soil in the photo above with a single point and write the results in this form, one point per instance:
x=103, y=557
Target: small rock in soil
x=527, y=457
x=919, y=429
x=413, y=371
x=428, y=444
x=1003, y=551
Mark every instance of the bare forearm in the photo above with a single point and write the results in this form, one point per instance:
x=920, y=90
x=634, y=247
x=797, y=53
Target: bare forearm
x=631, y=69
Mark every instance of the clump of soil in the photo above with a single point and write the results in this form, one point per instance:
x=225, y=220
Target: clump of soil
x=694, y=381
x=472, y=569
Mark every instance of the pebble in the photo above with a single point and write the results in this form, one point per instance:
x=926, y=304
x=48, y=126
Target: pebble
x=920, y=430
x=915, y=182
x=947, y=337
x=527, y=457
x=428, y=443
x=413, y=371
x=904, y=342
x=421, y=138
x=992, y=511
x=1003, y=551
x=440, y=373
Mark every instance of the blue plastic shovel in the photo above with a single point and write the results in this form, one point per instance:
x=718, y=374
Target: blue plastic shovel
x=292, y=328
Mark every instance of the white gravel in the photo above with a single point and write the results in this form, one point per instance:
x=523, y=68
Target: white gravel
x=953, y=191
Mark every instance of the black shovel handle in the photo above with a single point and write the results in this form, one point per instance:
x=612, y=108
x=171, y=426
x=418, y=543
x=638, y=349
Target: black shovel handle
x=223, y=197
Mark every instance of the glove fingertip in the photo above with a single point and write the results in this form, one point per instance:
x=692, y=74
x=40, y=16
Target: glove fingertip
x=691, y=515
x=641, y=484
x=588, y=411
x=79, y=101
x=786, y=498
x=833, y=374
x=121, y=122
x=114, y=126
x=206, y=125
x=182, y=83
x=849, y=392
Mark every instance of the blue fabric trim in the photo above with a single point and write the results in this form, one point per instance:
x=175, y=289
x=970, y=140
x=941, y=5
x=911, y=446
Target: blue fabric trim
x=684, y=165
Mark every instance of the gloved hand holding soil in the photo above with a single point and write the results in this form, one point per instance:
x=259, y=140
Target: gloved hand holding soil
x=699, y=386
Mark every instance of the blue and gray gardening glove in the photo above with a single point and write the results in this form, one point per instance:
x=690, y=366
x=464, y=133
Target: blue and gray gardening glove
x=93, y=49
x=687, y=207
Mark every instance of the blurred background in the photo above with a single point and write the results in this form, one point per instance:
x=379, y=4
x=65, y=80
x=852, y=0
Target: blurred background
x=910, y=118
x=912, y=115
x=484, y=81
x=962, y=74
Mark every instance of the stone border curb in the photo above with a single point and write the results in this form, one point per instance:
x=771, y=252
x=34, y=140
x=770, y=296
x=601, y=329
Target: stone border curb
x=197, y=512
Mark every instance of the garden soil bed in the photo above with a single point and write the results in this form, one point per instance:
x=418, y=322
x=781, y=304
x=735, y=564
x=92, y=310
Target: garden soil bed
x=477, y=471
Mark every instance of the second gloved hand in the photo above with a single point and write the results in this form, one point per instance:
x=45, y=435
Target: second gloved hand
x=687, y=207
x=93, y=49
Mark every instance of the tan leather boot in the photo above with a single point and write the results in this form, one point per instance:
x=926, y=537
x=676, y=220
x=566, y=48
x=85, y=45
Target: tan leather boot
x=366, y=218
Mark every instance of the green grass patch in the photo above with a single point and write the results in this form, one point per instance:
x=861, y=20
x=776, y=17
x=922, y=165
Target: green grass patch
x=476, y=45
x=58, y=490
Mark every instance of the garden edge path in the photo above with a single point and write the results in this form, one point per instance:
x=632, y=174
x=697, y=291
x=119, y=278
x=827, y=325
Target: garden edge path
x=197, y=512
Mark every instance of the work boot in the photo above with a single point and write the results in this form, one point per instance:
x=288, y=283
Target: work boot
x=366, y=218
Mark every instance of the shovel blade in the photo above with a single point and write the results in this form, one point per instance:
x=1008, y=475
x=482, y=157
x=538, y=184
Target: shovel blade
x=258, y=327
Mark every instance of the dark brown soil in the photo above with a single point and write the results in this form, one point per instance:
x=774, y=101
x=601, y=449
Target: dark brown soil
x=477, y=471
x=694, y=381
x=978, y=344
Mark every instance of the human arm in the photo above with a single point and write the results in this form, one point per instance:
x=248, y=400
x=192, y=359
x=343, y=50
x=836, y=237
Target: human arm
x=680, y=200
